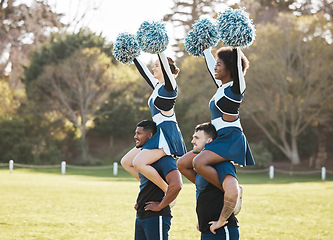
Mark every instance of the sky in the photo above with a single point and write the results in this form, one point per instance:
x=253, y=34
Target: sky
x=114, y=16
x=111, y=17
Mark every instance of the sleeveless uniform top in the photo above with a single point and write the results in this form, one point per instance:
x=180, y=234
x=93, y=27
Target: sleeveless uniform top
x=230, y=143
x=168, y=136
x=228, y=96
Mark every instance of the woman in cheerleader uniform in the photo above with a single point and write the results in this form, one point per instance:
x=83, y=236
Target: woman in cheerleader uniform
x=227, y=72
x=168, y=139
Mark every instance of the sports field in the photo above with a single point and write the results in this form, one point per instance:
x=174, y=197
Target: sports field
x=92, y=204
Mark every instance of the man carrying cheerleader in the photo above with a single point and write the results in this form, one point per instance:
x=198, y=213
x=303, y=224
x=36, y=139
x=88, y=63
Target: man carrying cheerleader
x=215, y=208
x=227, y=70
x=153, y=211
x=167, y=141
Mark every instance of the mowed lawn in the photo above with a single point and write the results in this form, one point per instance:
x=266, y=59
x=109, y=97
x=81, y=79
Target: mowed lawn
x=92, y=204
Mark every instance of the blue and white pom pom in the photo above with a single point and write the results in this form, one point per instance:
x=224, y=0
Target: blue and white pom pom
x=152, y=36
x=126, y=48
x=203, y=33
x=236, y=29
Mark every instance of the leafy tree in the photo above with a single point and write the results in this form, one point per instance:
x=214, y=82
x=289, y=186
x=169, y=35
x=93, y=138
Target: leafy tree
x=15, y=141
x=60, y=48
x=131, y=107
x=9, y=100
x=195, y=90
x=290, y=79
x=23, y=28
x=262, y=155
x=76, y=88
x=72, y=77
x=268, y=11
x=32, y=139
x=326, y=6
x=310, y=7
x=185, y=12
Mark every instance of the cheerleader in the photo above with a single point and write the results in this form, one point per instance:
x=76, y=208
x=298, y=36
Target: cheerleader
x=227, y=72
x=168, y=139
x=230, y=144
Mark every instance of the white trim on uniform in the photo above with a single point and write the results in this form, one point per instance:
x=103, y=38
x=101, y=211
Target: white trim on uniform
x=219, y=123
x=159, y=118
x=163, y=144
x=160, y=219
x=227, y=235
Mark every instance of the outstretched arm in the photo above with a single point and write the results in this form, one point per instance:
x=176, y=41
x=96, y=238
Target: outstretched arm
x=169, y=79
x=210, y=63
x=238, y=86
x=145, y=73
x=230, y=187
x=175, y=185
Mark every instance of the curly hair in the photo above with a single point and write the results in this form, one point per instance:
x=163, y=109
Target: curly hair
x=225, y=54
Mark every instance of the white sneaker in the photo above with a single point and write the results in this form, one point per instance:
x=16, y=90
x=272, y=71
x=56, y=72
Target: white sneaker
x=239, y=200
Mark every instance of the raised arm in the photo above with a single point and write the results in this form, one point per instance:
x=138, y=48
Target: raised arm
x=169, y=79
x=210, y=63
x=145, y=73
x=238, y=86
x=175, y=183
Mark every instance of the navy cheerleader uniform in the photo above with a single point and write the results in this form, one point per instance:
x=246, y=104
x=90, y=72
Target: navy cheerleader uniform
x=168, y=136
x=231, y=142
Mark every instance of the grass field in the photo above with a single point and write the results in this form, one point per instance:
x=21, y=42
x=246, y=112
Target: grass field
x=92, y=204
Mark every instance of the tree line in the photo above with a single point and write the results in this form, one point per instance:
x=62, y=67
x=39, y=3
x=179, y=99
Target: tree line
x=64, y=97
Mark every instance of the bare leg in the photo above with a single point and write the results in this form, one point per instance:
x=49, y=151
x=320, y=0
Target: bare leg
x=203, y=166
x=127, y=162
x=142, y=163
x=185, y=166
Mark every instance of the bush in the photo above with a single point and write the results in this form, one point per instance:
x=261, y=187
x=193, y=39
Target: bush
x=27, y=142
x=13, y=141
x=262, y=156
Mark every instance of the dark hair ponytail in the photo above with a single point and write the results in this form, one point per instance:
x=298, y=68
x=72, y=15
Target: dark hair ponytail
x=174, y=69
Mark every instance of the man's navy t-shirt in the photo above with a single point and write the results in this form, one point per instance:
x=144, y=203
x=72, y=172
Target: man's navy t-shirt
x=210, y=199
x=150, y=192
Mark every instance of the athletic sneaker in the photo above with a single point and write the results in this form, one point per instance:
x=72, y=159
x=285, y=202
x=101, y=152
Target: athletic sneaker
x=239, y=200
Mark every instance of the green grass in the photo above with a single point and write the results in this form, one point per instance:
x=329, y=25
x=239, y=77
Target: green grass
x=92, y=204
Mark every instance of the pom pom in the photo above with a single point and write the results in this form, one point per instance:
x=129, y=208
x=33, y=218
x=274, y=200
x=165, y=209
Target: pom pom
x=236, y=28
x=152, y=36
x=203, y=33
x=126, y=48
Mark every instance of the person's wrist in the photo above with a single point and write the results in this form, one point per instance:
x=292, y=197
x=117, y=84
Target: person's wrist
x=160, y=207
x=222, y=220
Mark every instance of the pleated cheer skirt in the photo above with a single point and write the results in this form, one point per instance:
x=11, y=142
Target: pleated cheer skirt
x=231, y=144
x=169, y=138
